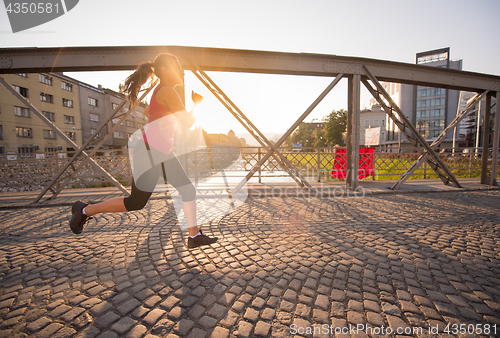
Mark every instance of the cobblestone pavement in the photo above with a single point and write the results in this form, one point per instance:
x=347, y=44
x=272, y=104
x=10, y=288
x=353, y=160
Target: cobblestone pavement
x=282, y=266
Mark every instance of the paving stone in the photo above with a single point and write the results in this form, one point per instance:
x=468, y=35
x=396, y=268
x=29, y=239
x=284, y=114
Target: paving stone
x=100, y=308
x=227, y=298
x=355, y=306
x=390, y=309
x=38, y=324
x=107, y=319
x=163, y=327
x=375, y=319
x=268, y=314
x=108, y=334
x=153, y=316
x=338, y=309
x=50, y=330
x=396, y=322
x=140, y=312
x=176, y=313
x=218, y=311
x=63, y=308
x=244, y=329
x=207, y=322
x=229, y=319
x=137, y=331
x=220, y=332
x=123, y=325
x=262, y=329
x=183, y=326
x=251, y=315
x=321, y=316
x=128, y=306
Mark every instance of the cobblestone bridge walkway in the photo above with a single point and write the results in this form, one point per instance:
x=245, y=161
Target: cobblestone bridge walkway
x=411, y=263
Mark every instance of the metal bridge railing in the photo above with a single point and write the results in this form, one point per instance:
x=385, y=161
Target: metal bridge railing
x=30, y=172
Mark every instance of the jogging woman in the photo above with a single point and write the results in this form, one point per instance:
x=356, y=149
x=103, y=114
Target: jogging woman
x=153, y=152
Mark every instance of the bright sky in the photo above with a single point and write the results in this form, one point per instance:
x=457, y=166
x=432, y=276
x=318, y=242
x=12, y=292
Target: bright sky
x=383, y=29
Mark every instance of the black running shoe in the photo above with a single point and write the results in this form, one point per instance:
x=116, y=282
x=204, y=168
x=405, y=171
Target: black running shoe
x=201, y=240
x=78, y=219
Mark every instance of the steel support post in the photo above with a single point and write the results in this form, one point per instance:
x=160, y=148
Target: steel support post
x=352, y=160
x=486, y=141
x=496, y=141
x=435, y=161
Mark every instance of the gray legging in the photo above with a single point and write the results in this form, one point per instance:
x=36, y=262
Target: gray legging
x=175, y=174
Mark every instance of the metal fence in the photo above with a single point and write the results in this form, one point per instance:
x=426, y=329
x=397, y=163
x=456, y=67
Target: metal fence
x=27, y=172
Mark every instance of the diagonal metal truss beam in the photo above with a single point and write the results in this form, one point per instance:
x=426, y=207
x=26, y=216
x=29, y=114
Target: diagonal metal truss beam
x=252, y=129
x=59, y=181
x=409, y=130
x=425, y=155
x=402, y=127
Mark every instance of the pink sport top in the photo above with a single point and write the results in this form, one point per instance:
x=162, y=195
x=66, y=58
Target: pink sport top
x=161, y=127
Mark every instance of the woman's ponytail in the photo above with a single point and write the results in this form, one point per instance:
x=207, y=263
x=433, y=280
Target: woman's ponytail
x=136, y=80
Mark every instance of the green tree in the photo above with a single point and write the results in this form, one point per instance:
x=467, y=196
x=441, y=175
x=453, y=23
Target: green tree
x=301, y=135
x=320, y=138
x=335, y=125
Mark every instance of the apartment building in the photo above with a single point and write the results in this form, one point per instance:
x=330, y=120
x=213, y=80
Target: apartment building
x=24, y=133
x=136, y=119
x=372, y=126
x=76, y=108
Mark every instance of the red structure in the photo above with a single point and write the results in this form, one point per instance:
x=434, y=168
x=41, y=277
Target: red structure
x=365, y=163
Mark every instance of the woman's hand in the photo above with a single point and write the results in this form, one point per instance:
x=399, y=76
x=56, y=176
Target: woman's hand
x=197, y=98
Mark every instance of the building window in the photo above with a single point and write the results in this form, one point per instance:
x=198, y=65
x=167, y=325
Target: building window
x=46, y=98
x=67, y=86
x=21, y=111
x=21, y=90
x=67, y=103
x=92, y=131
x=92, y=102
x=118, y=134
x=71, y=135
x=129, y=123
x=114, y=105
x=94, y=117
x=49, y=116
x=49, y=134
x=45, y=79
x=69, y=119
x=25, y=151
x=23, y=132
x=367, y=123
x=23, y=75
x=51, y=150
x=375, y=123
x=1, y=132
x=2, y=150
